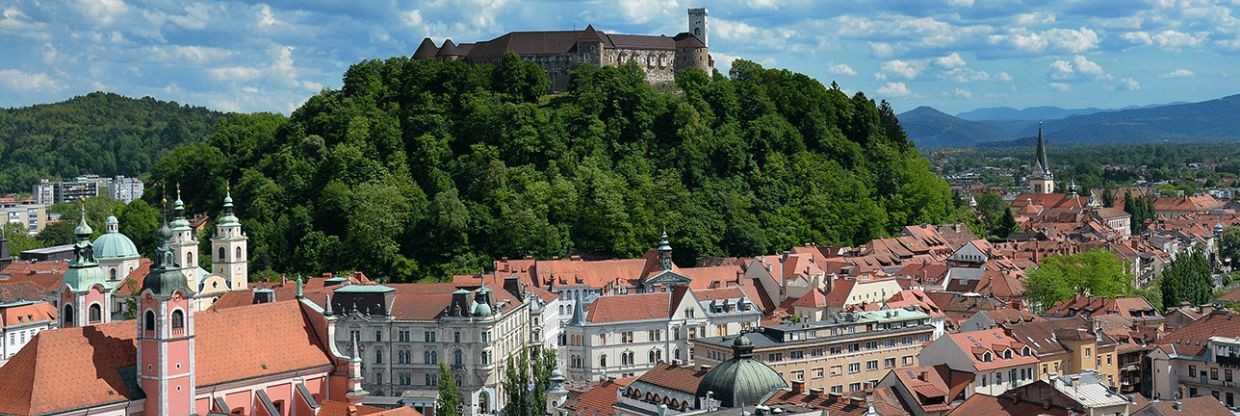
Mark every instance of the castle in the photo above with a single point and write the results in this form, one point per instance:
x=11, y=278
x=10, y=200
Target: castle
x=558, y=52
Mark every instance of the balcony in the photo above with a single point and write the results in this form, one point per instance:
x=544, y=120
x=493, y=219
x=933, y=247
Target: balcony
x=1227, y=361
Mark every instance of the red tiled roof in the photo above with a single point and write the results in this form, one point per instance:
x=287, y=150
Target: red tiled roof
x=226, y=349
x=835, y=406
x=671, y=376
x=598, y=400
x=1192, y=338
x=981, y=404
x=339, y=408
x=1195, y=406
x=635, y=307
x=714, y=294
x=712, y=277
x=996, y=341
x=27, y=314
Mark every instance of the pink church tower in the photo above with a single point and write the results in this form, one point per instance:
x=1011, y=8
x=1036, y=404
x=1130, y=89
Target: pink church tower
x=166, y=335
x=86, y=295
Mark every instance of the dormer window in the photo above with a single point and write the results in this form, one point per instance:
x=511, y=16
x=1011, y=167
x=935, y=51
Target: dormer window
x=1007, y=354
x=986, y=357
x=1026, y=351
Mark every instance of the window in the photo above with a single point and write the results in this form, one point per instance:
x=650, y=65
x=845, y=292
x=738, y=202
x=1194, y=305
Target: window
x=1089, y=352
x=908, y=360
x=178, y=320
x=838, y=388
x=1227, y=375
x=871, y=345
x=189, y=258
x=1192, y=371
x=836, y=370
x=150, y=319
x=458, y=358
x=796, y=355
x=456, y=337
x=430, y=357
x=111, y=274
x=651, y=357
x=871, y=365
x=602, y=360
x=404, y=357
x=986, y=357
x=405, y=379
x=798, y=375
x=854, y=347
x=1214, y=373
x=854, y=387
x=1007, y=354
x=221, y=253
x=854, y=368
x=626, y=337
x=432, y=379
x=889, y=363
x=403, y=335
x=655, y=335
x=68, y=318
x=818, y=373
x=239, y=255
x=428, y=336
x=486, y=358
x=378, y=356
x=96, y=313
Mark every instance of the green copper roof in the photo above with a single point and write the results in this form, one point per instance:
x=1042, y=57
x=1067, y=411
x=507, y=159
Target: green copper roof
x=741, y=380
x=113, y=245
x=227, y=217
x=165, y=276
x=364, y=289
x=81, y=278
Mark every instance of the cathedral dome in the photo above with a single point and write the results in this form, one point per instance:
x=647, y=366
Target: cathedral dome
x=740, y=380
x=113, y=245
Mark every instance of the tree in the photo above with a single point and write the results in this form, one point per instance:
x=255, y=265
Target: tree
x=1095, y=273
x=1005, y=226
x=517, y=386
x=449, y=401
x=138, y=221
x=18, y=239
x=1229, y=244
x=1187, y=280
x=1141, y=208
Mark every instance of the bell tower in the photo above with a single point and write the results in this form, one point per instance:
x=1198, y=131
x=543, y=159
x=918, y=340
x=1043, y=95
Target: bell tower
x=697, y=24
x=86, y=295
x=184, y=243
x=165, y=328
x=1041, y=180
x=229, y=248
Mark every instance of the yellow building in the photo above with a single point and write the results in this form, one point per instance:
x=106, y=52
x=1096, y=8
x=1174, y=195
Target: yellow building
x=1069, y=346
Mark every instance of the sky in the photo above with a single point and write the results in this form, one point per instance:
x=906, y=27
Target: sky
x=954, y=55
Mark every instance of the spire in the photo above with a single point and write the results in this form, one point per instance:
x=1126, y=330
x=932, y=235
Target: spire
x=179, y=208
x=83, y=230
x=1043, y=166
x=357, y=356
x=228, y=202
x=578, y=312
x=665, y=252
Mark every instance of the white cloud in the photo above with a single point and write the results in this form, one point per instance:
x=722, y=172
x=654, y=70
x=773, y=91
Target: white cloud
x=1141, y=38
x=312, y=86
x=906, y=69
x=1128, y=84
x=842, y=69
x=412, y=17
x=1003, y=76
x=950, y=61
x=1057, y=39
x=234, y=73
x=882, y=49
x=1167, y=39
x=1079, y=67
x=1061, y=87
x=265, y=16
x=1087, y=67
x=1179, y=73
x=1033, y=19
x=962, y=93
x=965, y=74
x=1061, y=69
x=101, y=11
x=894, y=89
x=21, y=81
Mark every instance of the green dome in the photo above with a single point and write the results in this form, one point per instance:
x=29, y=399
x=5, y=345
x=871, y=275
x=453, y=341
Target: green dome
x=165, y=276
x=741, y=380
x=481, y=310
x=113, y=245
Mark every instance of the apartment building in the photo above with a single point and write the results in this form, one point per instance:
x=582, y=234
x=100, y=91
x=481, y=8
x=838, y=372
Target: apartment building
x=20, y=322
x=999, y=361
x=625, y=335
x=1202, y=358
x=1070, y=346
x=847, y=352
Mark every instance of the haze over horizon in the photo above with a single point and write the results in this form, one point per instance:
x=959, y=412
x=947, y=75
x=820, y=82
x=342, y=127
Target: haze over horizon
x=953, y=55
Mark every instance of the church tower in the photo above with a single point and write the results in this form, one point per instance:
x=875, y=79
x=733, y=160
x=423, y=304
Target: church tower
x=184, y=243
x=165, y=328
x=229, y=248
x=697, y=24
x=86, y=296
x=1041, y=180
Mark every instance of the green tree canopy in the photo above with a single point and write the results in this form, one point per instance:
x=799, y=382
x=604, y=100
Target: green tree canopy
x=419, y=169
x=449, y=401
x=1187, y=279
x=1095, y=273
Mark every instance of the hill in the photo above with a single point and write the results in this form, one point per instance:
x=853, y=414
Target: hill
x=1024, y=114
x=100, y=133
x=1202, y=121
x=424, y=169
x=931, y=128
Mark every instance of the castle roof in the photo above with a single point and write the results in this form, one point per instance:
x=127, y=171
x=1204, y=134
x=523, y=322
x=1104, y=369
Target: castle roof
x=100, y=359
x=426, y=49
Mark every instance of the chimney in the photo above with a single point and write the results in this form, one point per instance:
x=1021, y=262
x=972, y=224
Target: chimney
x=798, y=387
x=815, y=392
x=833, y=397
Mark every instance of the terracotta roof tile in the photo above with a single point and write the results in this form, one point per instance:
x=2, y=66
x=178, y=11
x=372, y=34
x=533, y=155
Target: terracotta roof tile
x=1194, y=406
x=23, y=315
x=635, y=307
x=1192, y=338
x=981, y=404
x=599, y=399
x=671, y=376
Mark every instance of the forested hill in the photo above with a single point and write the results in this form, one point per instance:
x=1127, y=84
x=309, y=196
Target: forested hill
x=101, y=133
x=419, y=169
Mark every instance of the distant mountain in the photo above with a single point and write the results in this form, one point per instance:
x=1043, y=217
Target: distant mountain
x=930, y=128
x=1025, y=114
x=1207, y=120
x=1181, y=122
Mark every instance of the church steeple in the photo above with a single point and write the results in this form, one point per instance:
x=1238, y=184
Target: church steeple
x=229, y=246
x=665, y=252
x=86, y=294
x=1041, y=180
x=166, y=334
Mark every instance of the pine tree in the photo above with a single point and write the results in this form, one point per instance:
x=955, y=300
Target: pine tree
x=449, y=394
x=1187, y=279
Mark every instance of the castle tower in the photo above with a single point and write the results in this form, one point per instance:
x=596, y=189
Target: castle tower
x=165, y=328
x=229, y=248
x=1041, y=180
x=183, y=242
x=86, y=296
x=697, y=24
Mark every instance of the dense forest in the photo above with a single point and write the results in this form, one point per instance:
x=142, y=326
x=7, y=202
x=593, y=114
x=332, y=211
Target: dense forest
x=100, y=133
x=420, y=169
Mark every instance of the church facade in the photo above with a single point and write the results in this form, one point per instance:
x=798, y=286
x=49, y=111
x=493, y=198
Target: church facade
x=558, y=52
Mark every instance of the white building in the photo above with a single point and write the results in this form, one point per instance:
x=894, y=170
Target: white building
x=20, y=322
x=998, y=360
x=625, y=335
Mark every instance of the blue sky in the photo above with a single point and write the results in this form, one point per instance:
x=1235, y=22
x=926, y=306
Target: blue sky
x=954, y=55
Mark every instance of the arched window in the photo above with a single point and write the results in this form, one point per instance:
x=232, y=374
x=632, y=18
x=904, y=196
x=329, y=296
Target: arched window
x=221, y=251
x=189, y=258
x=239, y=255
x=602, y=360
x=178, y=320
x=1007, y=354
x=68, y=316
x=651, y=356
x=986, y=356
x=458, y=358
x=96, y=313
x=484, y=401
x=149, y=325
x=111, y=274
